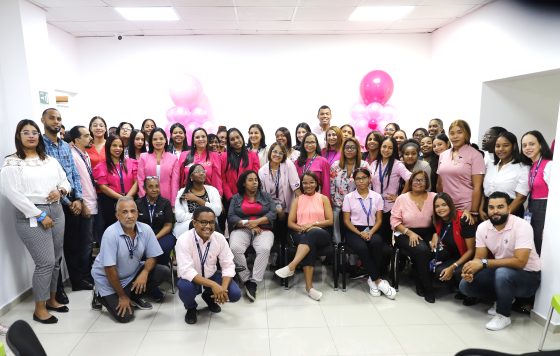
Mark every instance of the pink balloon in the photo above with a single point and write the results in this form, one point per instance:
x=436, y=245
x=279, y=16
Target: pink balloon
x=199, y=115
x=376, y=87
x=360, y=125
x=178, y=114
x=372, y=124
x=209, y=126
x=381, y=124
x=185, y=91
x=358, y=111
x=374, y=110
x=389, y=113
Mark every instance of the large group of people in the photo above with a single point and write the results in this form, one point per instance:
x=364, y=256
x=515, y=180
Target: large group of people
x=467, y=217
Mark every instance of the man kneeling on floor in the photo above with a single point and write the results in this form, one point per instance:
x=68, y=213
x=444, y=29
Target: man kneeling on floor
x=120, y=274
x=515, y=269
x=198, y=251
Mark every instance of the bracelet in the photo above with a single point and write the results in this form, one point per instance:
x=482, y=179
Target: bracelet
x=456, y=265
x=42, y=216
x=475, y=213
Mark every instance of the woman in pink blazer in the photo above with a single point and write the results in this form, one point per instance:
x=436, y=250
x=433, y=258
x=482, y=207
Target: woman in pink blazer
x=236, y=160
x=157, y=162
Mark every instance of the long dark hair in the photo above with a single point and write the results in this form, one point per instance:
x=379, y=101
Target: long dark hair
x=131, y=147
x=394, y=156
x=546, y=153
x=151, y=145
x=262, y=144
x=299, y=126
x=171, y=146
x=447, y=199
x=108, y=159
x=190, y=156
x=104, y=123
x=515, y=154
x=288, y=135
x=232, y=158
x=189, y=184
x=40, y=149
x=303, y=153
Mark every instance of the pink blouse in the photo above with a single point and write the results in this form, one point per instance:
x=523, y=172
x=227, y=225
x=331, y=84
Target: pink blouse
x=310, y=209
x=320, y=166
x=407, y=213
x=112, y=180
x=168, y=174
x=398, y=171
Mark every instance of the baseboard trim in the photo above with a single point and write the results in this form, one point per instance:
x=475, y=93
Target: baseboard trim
x=6, y=308
x=541, y=320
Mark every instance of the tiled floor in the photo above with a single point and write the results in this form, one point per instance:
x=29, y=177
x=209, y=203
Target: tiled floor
x=286, y=322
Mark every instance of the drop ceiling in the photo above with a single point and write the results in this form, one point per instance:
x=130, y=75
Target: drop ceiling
x=97, y=18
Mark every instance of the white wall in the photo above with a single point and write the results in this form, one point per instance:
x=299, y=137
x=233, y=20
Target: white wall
x=499, y=41
x=273, y=80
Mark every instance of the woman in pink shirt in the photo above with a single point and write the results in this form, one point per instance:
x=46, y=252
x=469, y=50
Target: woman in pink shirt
x=386, y=173
x=200, y=153
x=538, y=155
x=157, y=162
x=310, y=214
x=116, y=177
x=310, y=160
x=237, y=160
x=411, y=217
x=333, y=139
x=461, y=169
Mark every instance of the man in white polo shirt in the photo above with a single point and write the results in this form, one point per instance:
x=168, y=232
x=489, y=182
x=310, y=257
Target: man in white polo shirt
x=514, y=271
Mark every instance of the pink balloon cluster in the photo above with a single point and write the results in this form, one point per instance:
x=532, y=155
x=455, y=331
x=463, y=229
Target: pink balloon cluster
x=372, y=113
x=191, y=106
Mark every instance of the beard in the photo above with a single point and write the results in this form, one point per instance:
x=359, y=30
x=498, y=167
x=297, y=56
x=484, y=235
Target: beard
x=498, y=219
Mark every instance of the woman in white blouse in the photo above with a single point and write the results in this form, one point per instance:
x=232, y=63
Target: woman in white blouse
x=507, y=174
x=194, y=194
x=34, y=183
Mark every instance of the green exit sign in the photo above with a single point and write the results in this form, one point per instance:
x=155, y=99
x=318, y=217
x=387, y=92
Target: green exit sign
x=44, y=97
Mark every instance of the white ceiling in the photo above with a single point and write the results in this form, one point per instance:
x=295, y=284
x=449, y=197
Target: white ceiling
x=97, y=18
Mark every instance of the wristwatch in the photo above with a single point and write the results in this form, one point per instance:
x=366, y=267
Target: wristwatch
x=484, y=263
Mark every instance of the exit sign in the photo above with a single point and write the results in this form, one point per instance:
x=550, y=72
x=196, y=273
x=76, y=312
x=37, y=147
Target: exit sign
x=43, y=97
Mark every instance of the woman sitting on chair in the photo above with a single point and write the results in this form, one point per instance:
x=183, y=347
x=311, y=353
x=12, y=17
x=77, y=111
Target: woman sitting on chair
x=411, y=217
x=193, y=195
x=250, y=218
x=362, y=212
x=453, y=242
x=309, y=215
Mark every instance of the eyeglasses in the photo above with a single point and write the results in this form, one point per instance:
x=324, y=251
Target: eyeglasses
x=206, y=222
x=29, y=133
x=419, y=181
x=390, y=129
x=278, y=153
x=350, y=148
x=125, y=129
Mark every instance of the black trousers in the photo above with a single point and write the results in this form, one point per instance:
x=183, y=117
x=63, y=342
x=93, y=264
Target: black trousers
x=370, y=252
x=420, y=255
x=78, y=238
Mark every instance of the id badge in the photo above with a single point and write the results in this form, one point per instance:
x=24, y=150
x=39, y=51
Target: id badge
x=366, y=229
x=528, y=215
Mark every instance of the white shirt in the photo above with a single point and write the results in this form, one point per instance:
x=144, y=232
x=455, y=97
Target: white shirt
x=321, y=136
x=26, y=182
x=511, y=178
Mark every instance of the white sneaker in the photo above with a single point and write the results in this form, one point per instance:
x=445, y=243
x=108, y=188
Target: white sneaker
x=284, y=272
x=373, y=289
x=314, y=294
x=492, y=310
x=386, y=289
x=498, y=322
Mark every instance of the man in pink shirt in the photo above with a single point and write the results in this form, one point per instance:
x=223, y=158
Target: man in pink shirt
x=198, y=251
x=514, y=271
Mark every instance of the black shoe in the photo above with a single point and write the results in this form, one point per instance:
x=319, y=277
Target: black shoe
x=358, y=273
x=468, y=301
x=460, y=296
x=430, y=298
x=240, y=269
x=60, y=309
x=212, y=305
x=419, y=291
x=141, y=303
x=190, y=316
x=51, y=320
x=96, y=303
x=156, y=295
x=82, y=285
x=61, y=297
x=251, y=290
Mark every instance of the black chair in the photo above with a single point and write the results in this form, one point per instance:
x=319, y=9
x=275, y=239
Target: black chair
x=484, y=352
x=21, y=339
x=329, y=251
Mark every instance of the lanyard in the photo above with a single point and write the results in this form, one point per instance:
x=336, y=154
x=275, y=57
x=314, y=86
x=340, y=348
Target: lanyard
x=367, y=212
x=130, y=246
x=202, y=259
x=440, y=239
x=328, y=156
x=533, y=176
x=121, y=179
x=307, y=167
x=382, y=175
x=87, y=162
x=151, y=209
x=276, y=180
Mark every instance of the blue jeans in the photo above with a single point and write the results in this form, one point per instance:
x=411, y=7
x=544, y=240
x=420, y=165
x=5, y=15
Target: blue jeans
x=166, y=243
x=502, y=284
x=189, y=290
